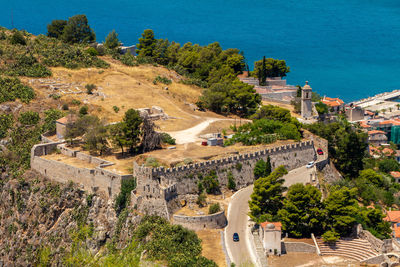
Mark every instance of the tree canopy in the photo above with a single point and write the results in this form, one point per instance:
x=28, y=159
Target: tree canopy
x=266, y=199
x=112, y=41
x=77, y=30
x=270, y=68
x=262, y=168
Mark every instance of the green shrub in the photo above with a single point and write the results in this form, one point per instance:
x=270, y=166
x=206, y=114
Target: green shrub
x=29, y=118
x=75, y=102
x=17, y=38
x=92, y=51
x=89, y=88
x=83, y=110
x=123, y=198
x=201, y=199
x=161, y=79
x=116, y=109
x=65, y=106
x=12, y=88
x=239, y=166
x=231, y=181
x=214, y=208
x=152, y=162
x=6, y=121
x=211, y=183
x=167, y=139
x=129, y=60
x=330, y=236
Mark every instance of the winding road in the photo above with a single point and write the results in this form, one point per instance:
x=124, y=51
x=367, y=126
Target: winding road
x=242, y=253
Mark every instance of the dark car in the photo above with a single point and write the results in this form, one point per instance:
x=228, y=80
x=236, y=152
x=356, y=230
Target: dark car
x=320, y=152
x=236, y=237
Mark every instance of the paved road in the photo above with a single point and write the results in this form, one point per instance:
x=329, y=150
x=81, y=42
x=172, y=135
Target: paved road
x=239, y=252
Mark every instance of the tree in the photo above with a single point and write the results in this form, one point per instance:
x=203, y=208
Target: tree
x=272, y=112
x=117, y=135
x=301, y=214
x=55, y=28
x=151, y=139
x=112, y=41
x=371, y=177
x=214, y=208
x=321, y=108
x=83, y=110
x=95, y=137
x=373, y=222
x=266, y=199
x=262, y=73
x=262, y=168
x=147, y=44
x=132, y=122
x=388, y=164
x=341, y=211
x=273, y=68
x=210, y=183
x=29, y=118
x=231, y=181
x=50, y=118
x=78, y=30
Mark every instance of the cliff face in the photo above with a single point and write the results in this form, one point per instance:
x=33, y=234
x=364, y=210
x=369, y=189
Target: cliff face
x=38, y=216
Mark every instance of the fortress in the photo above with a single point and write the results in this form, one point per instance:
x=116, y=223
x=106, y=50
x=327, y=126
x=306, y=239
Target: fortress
x=159, y=190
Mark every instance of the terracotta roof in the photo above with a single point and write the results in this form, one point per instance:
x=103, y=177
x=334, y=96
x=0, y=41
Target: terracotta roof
x=370, y=113
x=392, y=216
x=67, y=119
x=364, y=124
x=396, y=230
x=393, y=122
x=395, y=174
x=332, y=102
x=245, y=74
x=376, y=132
x=278, y=225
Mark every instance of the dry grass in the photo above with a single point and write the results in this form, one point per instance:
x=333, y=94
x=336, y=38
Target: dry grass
x=309, y=260
x=212, y=247
x=287, y=106
x=128, y=87
x=70, y=160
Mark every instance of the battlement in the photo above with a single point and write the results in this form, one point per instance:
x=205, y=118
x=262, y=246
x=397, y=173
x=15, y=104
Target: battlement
x=232, y=159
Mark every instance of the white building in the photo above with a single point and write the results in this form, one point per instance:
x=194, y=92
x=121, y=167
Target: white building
x=270, y=235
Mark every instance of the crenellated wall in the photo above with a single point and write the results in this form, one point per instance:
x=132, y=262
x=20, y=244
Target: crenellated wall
x=185, y=178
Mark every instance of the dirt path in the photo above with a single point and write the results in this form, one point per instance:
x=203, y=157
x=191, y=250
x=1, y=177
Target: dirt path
x=191, y=135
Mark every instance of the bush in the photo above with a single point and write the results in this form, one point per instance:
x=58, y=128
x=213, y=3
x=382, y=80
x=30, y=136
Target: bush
x=6, y=121
x=83, y=110
x=161, y=79
x=89, y=88
x=75, y=102
x=124, y=196
x=92, y=51
x=167, y=139
x=17, y=38
x=12, y=88
x=330, y=236
x=152, y=162
x=29, y=118
x=129, y=60
x=214, y=208
x=231, y=181
x=116, y=109
x=65, y=107
x=201, y=199
x=211, y=183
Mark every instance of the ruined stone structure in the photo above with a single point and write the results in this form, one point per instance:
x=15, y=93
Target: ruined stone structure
x=306, y=105
x=159, y=189
x=92, y=179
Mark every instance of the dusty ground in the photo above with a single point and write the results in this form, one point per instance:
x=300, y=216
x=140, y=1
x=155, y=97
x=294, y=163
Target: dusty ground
x=309, y=260
x=125, y=87
x=69, y=160
x=212, y=246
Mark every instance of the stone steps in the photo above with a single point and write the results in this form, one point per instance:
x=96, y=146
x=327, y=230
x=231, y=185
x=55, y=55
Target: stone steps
x=356, y=249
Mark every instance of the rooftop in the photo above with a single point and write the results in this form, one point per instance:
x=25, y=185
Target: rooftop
x=332, y=102
x=392, y=216
x=278, y=225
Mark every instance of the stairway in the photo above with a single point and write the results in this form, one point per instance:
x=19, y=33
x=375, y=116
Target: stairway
x=356, y=249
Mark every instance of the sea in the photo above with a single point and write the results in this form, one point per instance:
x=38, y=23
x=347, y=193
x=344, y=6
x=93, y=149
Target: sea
x=344, y=48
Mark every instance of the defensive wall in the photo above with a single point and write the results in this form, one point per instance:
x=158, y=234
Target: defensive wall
x=297, y=247
x=92, y=179
x=160, y=183
x=213, y=221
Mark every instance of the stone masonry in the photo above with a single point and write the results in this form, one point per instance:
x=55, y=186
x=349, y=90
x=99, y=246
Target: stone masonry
x=158, y=189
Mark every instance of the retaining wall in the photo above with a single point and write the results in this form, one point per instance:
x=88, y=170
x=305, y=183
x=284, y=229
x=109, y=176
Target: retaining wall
x=92, y=179
x=213, y=221
x=297, y=247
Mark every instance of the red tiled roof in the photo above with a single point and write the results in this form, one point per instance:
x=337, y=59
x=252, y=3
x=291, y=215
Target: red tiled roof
x=396, y=230
x=395, y=174
x=332, y=102
x=364, y=124
x=278, y=225
x=370, y=112
x=67, y=119
x=392, y=216
x=393, y=122
x=376, y=132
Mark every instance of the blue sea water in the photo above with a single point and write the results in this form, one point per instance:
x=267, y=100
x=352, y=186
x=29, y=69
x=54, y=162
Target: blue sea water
x=345, y=48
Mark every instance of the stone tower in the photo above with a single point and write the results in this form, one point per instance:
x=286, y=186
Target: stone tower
x=306, y=106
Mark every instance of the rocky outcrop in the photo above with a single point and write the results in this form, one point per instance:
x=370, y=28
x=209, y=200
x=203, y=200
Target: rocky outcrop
x=36, y=213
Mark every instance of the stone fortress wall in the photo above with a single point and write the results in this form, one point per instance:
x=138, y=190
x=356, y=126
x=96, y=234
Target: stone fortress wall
x=92, y=179
x=159, y=185
x=212, y=221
